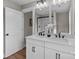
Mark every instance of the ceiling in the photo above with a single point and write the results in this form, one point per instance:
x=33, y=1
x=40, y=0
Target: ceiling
x=57, y=8
x=21, y=2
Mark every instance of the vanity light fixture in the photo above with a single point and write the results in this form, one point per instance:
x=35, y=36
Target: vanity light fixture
x=41, y=4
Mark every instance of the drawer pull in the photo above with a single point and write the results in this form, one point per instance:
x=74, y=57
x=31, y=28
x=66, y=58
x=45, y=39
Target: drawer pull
x=56, y=55
x=59, y=56
x=33, y=49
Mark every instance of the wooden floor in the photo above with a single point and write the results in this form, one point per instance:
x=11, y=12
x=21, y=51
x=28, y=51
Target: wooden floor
x=18, y=55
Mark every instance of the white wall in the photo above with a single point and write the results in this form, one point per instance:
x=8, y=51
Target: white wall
x=10, y=4
x=27, y=27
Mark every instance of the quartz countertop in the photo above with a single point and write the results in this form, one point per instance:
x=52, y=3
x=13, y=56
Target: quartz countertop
x=62, y=42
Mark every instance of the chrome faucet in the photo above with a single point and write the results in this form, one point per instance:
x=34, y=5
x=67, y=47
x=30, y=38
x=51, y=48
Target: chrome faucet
x=59, y=35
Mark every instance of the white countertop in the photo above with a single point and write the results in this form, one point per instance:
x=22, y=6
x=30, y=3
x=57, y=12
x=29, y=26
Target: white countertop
x=63, y=42
x=52, y=40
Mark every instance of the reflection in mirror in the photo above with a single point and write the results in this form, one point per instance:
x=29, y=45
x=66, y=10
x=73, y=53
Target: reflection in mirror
x=54, y=18
x=62, y=20
x=42, y=17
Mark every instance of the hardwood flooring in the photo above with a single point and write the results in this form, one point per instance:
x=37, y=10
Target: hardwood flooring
x=18, y=55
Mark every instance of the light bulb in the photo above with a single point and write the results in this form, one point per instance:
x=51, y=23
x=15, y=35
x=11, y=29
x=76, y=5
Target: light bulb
x=54, y=2
x=37, y=5
x=41, y=5
x=45, y=4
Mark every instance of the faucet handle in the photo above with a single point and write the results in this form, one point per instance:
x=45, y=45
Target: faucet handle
x=60, y=35
x=63, y=36
x=56, y=35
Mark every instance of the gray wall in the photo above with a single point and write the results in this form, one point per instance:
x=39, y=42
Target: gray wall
x=10, y=4
x=62, y=22
x=27, y=27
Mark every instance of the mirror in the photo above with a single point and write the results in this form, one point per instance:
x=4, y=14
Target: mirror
x=42, y=16
x=60, y=16
x=62, y=22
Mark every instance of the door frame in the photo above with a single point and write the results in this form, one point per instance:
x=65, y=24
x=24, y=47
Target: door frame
x=30, y=9
x=4, y=31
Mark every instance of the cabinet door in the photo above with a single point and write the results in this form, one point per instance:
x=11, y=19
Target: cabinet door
x=50, y=54
x=34, y=51
x=66, y=56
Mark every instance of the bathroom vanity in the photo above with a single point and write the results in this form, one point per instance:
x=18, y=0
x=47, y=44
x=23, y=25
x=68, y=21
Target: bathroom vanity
x=47, y=48
x=53, y=34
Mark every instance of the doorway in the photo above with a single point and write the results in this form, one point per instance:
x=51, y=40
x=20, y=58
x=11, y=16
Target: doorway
x=28, y=24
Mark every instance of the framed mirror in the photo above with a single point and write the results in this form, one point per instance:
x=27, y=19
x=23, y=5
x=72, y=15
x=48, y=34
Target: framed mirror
x=61, y=16
x=42, y=17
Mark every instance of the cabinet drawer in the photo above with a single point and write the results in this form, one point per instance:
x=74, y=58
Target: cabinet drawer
x=35, y=41
x=66, y=56
x=60, y=48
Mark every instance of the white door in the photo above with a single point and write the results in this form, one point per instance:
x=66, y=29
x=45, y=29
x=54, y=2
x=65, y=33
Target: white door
x=14, y=31
x=34, y=51
x=67, y=56
x=50, y=54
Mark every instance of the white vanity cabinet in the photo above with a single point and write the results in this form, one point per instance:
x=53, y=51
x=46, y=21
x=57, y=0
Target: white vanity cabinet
x=52, y=54
x=42, y=48
x=58, y=51
x=66, y=56
x=34, y=50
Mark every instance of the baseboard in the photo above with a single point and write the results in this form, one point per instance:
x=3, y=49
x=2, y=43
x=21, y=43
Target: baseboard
x=5, y=56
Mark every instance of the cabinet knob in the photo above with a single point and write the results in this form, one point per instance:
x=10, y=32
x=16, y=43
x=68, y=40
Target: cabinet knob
x=7, y=34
